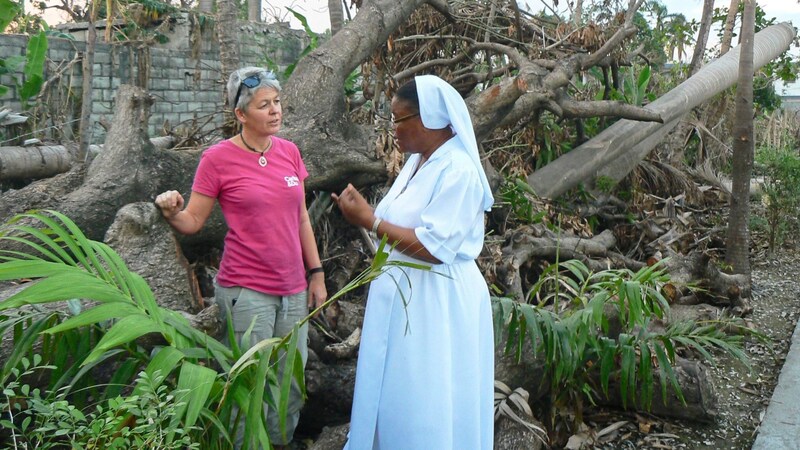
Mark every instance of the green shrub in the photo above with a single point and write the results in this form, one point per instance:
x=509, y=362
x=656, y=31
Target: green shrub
x=518, y=194
x=142, y=421
x=781, y=189
x=567, y=325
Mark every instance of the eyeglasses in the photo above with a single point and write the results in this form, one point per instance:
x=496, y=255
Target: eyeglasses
x=251, y=82
x=406, y=117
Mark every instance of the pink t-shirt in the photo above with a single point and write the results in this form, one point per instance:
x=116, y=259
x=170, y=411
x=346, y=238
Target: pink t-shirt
x=262, y=207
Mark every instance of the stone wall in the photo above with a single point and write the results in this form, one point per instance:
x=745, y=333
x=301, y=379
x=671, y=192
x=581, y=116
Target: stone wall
x=182, y=74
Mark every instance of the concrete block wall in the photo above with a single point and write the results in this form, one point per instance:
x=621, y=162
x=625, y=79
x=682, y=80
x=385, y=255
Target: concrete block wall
x=183, y=75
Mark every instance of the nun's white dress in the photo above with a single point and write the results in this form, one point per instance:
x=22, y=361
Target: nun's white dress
x=425, y=376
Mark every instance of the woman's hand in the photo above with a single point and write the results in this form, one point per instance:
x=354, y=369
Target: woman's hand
x=354, y=207
x=317, y=294
x=170, y=203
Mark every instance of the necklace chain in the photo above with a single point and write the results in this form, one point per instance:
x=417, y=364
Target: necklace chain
x=262, y=160
x=269, y=145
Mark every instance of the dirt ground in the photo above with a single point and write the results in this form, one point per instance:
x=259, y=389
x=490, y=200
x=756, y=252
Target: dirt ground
x=743, y=395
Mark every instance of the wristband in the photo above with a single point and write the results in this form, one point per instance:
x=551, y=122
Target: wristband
x=375, y=225
x=315, y=270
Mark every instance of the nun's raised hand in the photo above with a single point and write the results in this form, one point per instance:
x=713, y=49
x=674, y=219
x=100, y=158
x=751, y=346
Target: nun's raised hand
x=354, y=207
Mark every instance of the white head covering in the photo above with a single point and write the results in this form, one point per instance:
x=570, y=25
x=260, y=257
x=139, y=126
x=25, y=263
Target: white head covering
x=441, y=105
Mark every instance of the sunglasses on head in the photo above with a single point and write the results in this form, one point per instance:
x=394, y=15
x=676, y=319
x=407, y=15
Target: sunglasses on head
x=251, y=82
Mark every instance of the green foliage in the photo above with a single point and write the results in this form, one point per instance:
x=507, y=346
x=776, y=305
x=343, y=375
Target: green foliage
x=605, y=184
x=553, y=141
x=780, y=168
x=765, y=97
x=141, y=421
x=568, y=323
x=634, y=88
x=309, y=48
x=651, y=38
x=8, y=11
x=34, y=66
x=517, y=193
x=206, y=384
x=313, y=44
x=34, y=56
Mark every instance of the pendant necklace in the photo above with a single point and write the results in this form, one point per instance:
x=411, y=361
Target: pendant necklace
x=262, y=160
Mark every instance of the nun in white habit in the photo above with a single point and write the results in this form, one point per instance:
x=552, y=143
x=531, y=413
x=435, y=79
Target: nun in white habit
x=425, y=371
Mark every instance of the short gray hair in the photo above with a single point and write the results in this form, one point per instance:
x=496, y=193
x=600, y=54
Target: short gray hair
x=266, y=79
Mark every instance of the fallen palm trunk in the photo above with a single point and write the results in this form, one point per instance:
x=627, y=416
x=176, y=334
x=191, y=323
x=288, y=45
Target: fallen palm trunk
x=43, y=161
x=620, y=147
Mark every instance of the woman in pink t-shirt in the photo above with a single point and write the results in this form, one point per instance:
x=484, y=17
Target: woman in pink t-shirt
x=270, y=268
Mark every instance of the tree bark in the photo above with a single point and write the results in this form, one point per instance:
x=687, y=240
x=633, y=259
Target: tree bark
x=147, y=244
x=48, y=160
x=84, y=127
x=696, y=387
x=727, y=33
x=33, y=162
x=702, y=37
x=336, y=15
x=228, y=49
x=737, y=252
x=129, y=170
x=205, y=6
x=254, y=10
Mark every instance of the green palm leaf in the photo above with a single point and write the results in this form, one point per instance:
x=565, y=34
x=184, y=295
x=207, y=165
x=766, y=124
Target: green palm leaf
x=196, y=382
x=64, y=286
x=124, y=331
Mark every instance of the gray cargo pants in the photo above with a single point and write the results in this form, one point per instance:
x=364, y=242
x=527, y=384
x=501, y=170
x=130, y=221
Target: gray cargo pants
x=275, y=317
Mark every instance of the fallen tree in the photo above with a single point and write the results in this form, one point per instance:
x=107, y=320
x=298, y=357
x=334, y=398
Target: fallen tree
x=340, y=141
x=619, y=148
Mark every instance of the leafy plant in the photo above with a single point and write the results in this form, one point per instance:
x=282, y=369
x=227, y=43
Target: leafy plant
x=8, y=11
x=211, y=383
x=781, y=186
x=34, y=56
x=517, y=194
x=314, y=41
x=142, y=421
x=568, y=323
x=634, y=89
x=605, y=184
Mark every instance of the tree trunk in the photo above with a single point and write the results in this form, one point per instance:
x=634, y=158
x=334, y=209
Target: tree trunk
x=737, y=252
x=343, y=152
x=702, y=37
x=34, y=162
x=727, y=33
x=129, y=170
x=336, y=14
x=254, y=10
x=17, y=163
x=206, y=6
x=228, y=49
x=84, y=126
x=595, y=156
x=147, y=244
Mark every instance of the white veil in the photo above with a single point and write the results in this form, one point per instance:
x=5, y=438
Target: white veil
x=441, y=105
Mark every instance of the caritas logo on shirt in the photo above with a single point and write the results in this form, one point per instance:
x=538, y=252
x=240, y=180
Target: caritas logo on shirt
x=292, y=181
